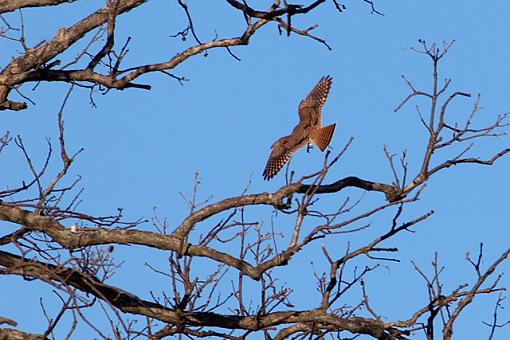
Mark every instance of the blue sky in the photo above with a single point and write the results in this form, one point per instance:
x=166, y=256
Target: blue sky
x=142, y=148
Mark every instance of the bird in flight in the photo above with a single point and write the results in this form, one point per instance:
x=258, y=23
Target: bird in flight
x=309, y=129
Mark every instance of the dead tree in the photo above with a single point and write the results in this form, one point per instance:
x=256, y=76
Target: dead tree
x=71, y=250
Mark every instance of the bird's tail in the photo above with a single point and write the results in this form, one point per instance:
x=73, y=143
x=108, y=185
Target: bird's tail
x=321, y=137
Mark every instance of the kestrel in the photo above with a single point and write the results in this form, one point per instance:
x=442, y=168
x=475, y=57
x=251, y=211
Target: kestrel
x=309, y=129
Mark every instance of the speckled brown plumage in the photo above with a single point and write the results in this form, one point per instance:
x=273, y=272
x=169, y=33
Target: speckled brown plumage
x=308, y=130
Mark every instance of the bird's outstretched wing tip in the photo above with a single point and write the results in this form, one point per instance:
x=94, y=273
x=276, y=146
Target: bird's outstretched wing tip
x=267, y=173
x=327, y=78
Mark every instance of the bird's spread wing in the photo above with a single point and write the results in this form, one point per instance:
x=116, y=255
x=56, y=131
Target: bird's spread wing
x=310, y=108
x=283, y=149
x=279, y=156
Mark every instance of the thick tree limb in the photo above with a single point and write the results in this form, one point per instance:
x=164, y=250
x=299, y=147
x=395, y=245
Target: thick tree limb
x=130, y=303
x=14, y=334
x=69, y=239
x=18, y=70
x=392, y=193
x=30, y=67
x=91, y=236
x=273, y=13
x=12, y=5
x=276, y=199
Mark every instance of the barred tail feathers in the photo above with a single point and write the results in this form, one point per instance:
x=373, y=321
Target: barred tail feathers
x=322, y=136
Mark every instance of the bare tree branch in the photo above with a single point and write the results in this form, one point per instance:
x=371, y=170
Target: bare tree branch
x=12, y=5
